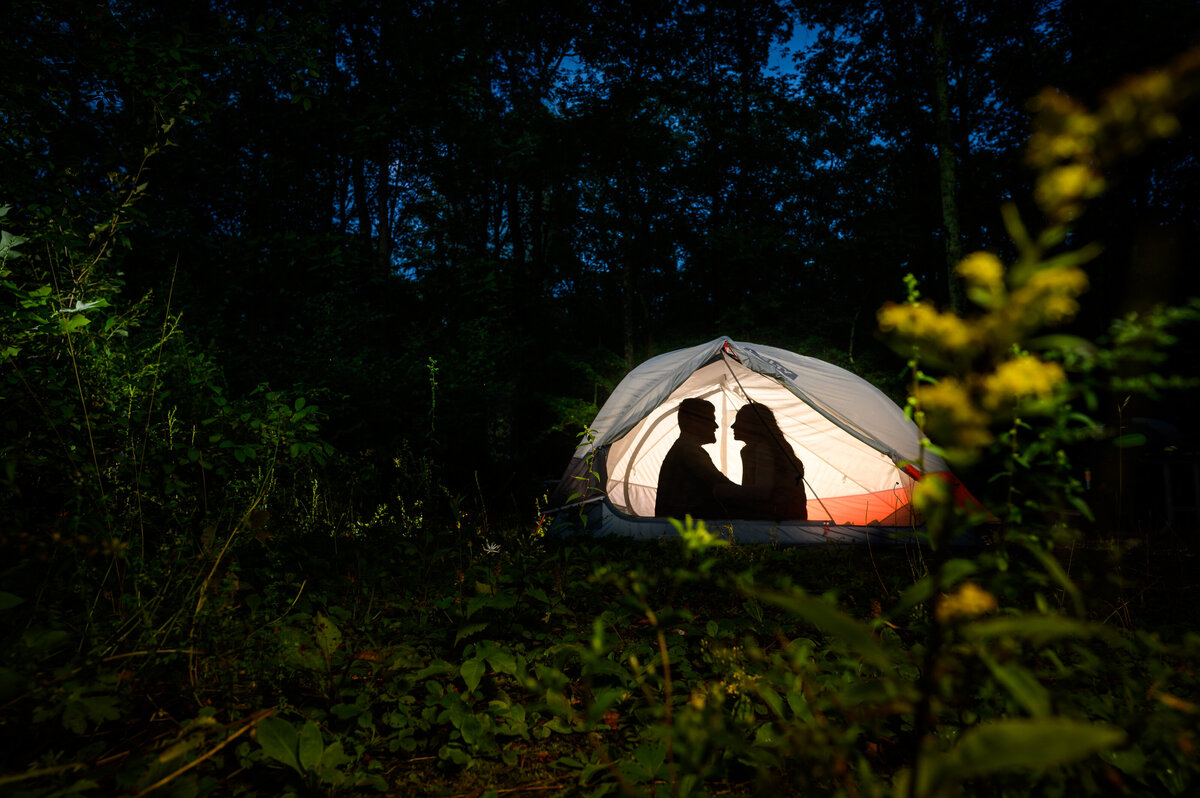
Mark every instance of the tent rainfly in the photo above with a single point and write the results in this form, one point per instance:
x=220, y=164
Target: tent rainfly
x=861, y=454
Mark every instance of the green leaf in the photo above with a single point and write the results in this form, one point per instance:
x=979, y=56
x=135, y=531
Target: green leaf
x=1082, y=506
x=44, y=640
x=1054, y=569
x=1063, y=343
x=502, y=661
x=1130, y=760
x=560, y=726
x=345, y=711
x=800, y=706
x=504, y=601
x=11, y=683
x=834, y=623
x=603, y=699
x=279, y=741
x=73, y=323
x=299, y=649
x=438, y=667
x=8, y=600
x=335, y=756
x=1020, y=745
x=469, y=629
x=471, y=729
x=457, y=710
x=310, y=746
x=771, y=698
x=1021, y=684
x=329, y=637
x=80, y=707
x=1037, y=629
x=454, y=754
x=472, y=671
x=651, y=756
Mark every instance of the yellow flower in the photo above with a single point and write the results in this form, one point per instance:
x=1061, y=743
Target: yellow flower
x=984, y=275
x=951, y=416
x=1052, y=147
x=1162, y=125
x=1065, y=130
x=1138, y=96
x=1152, y=87
x=920, y=321
x=1048, y=296
x=983, y=269
x=1060, y=190
x=1023, y=377
x=969, y=601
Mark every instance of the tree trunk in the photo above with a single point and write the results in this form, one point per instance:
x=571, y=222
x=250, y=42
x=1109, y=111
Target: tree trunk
x=384, y=210
x=627, y=310
x=516, y=224
x=946, y=161
x=362, y=208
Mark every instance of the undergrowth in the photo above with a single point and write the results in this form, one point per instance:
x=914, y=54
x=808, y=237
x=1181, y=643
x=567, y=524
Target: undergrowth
x=599, y=667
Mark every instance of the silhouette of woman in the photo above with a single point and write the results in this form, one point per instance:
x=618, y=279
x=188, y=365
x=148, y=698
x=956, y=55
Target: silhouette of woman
x=769, y=462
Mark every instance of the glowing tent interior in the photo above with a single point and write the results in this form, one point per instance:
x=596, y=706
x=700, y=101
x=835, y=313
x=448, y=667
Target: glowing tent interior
x=861, y=454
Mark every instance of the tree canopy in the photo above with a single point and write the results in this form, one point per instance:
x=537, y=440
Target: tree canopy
x=460, y=222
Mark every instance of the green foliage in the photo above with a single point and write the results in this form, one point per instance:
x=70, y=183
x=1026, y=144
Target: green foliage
x=304, y=751
x=608, y=667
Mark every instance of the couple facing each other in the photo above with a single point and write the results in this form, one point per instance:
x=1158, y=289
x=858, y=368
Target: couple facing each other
x=772, y=486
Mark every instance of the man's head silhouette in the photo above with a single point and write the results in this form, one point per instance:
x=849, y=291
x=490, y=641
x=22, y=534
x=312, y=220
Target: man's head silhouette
x=698, y=420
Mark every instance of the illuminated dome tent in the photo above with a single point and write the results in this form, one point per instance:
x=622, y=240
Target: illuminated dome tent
x=860, y=453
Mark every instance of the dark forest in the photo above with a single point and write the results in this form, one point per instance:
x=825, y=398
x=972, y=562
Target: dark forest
x=306, y=307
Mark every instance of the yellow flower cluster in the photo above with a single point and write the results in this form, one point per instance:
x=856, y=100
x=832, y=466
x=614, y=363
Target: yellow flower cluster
x=1071, y=144
x=1069, y=147
x=1065, y=130
x=1061, y=191
x=921, y=322
x=1049, y=296
x=983, y=274
x=952, y=416
x=958, y=413
x=982, y=269
x=1140, y=106
x=1024, y=377
x=730, y=661
x=969, y=601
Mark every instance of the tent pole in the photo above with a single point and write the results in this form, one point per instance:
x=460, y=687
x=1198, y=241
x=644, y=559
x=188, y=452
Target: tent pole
x=724, y=452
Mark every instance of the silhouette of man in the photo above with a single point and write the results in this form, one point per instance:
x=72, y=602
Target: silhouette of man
x=688, y=482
